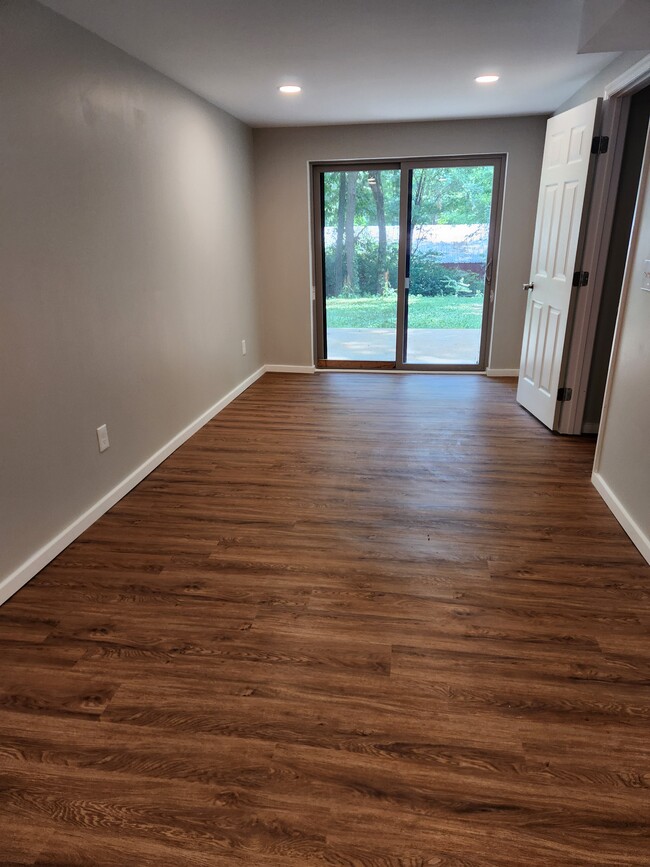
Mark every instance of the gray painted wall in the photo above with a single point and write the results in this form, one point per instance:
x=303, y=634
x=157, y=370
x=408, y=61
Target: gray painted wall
x=622, y=458
x=127, y=277
x=283, y=217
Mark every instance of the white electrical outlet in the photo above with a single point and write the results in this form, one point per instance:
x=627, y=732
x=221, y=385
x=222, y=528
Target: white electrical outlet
x=102, y=438
x=243, y=347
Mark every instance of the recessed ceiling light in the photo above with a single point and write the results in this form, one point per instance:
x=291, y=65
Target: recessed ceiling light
x=487, y=79
x=290, y=88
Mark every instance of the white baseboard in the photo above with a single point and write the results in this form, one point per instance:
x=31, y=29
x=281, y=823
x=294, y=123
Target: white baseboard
x=623, y=517
x=289, y=368
x=590, y=427
x=33, y=565
x=502, y=371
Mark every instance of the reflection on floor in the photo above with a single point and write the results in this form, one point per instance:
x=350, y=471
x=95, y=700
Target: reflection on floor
x=424, y=345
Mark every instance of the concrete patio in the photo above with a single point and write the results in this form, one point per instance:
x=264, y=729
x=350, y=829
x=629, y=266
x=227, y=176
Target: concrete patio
x=424, y=346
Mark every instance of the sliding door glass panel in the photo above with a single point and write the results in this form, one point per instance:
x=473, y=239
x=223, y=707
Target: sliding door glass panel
x=360, y=257
x=448, y=241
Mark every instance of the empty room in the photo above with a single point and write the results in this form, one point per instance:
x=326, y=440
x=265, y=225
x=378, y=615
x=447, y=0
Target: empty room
x=324, y=414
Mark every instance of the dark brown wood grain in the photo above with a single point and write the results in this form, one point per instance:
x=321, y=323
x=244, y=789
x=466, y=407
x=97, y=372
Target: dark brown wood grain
x=382, y=621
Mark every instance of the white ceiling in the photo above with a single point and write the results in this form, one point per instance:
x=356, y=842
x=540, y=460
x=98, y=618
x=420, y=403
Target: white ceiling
x=357, y=60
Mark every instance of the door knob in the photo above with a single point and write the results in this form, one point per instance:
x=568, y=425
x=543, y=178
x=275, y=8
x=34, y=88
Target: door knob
x=528, y=286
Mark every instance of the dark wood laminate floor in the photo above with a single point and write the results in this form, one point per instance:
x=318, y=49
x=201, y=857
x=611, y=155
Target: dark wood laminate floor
x=356, y=620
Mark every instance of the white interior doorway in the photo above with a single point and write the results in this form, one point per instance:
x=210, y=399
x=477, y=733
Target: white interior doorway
x=584, y=358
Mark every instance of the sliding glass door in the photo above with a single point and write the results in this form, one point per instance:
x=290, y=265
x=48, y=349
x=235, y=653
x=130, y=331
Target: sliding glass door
x=405, y=256
x=360, y=254
x=447, y=261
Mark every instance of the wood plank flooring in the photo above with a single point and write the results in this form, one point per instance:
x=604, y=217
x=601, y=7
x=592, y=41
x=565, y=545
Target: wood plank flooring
x=366, y=620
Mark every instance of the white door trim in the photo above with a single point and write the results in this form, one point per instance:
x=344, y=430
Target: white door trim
x=633, y=79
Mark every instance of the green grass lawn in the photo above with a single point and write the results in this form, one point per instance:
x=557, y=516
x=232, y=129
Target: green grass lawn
x=442, y=311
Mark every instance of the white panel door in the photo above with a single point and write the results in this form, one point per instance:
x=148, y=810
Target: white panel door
x=562, y=195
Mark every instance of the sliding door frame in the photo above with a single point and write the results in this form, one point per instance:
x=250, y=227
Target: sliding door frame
x=318, y=225
x=406, y=166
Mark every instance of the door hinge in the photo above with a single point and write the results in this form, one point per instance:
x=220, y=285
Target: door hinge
x=564, y=394
x=600, y=144
x=581, y=278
